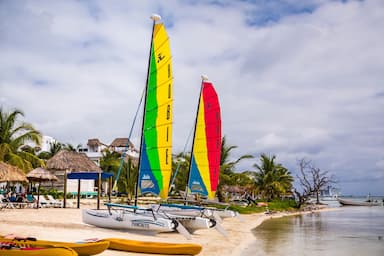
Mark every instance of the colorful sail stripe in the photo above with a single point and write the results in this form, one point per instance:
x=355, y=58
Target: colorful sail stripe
x=156, y=151
x=205, y=162
x=213, y=133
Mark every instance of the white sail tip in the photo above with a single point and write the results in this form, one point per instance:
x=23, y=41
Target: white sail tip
x=155, y=17
x=204, y=77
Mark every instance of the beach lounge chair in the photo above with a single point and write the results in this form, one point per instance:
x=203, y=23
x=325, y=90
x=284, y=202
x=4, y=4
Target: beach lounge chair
x=20, y=202
x=42, y=201
x=30, y=200
x=5, y=202
x=54, y=202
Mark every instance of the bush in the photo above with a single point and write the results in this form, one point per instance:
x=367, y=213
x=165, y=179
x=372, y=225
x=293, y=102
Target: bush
x=275, y=205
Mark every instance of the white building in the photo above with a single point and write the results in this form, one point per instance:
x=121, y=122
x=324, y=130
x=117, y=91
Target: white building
x=46, y=143
x=95, y=149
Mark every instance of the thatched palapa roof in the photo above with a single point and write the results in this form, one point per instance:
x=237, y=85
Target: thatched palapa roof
x=72, y=161
x=235, y=189
x=41, y=174
x=121, y=142
x=11, y=173
x=94, y=143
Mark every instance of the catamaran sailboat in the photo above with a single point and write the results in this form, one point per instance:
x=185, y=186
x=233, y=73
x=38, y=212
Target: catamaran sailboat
x=204, y=167
x=156, y=145
x=155, y=161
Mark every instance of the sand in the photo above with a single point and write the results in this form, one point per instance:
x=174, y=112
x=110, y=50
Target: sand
x=66, y=225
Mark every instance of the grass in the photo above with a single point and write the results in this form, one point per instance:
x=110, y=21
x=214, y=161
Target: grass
x=276, y=205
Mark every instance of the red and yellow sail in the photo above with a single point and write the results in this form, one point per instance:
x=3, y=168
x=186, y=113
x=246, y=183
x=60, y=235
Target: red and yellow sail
x=205, y=161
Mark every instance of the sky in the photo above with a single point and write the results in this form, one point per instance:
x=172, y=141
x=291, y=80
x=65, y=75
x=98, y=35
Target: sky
x=296, y=79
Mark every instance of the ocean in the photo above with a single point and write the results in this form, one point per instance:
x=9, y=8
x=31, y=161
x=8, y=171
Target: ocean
x=347, y=230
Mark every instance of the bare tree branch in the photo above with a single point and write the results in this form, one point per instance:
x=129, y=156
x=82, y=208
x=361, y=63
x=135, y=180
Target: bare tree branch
x=312, y=180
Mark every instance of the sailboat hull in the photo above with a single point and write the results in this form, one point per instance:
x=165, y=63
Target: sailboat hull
x=122, y=219
x=357, y=203
x=191, y=219
x=197, y=223
x=226, y=213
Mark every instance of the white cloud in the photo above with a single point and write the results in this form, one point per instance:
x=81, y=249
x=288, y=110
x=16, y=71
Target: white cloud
x=297, y=79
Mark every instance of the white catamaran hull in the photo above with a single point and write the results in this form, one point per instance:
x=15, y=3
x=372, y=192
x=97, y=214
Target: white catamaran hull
x=226, y=213
x=357, y=203
x=191, y=219
x=127, y=220
x=193, y=223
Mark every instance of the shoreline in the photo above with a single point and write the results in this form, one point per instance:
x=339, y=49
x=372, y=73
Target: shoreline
x=250, y=239
x=58, y=224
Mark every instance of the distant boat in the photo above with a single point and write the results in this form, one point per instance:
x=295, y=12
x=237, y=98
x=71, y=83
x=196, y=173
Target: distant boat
x=328, y=198
x=345, y=202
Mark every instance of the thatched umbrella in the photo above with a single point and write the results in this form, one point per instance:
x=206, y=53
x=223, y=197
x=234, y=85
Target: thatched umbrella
x=10, y=173
x=70, y=161
x=40, y=175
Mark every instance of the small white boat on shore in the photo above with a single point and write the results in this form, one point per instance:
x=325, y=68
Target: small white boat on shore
x=346, y=202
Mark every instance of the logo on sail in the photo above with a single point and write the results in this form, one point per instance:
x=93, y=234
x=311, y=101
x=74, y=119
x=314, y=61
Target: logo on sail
x=196, y=186
x=160, y=57
x=145, y=177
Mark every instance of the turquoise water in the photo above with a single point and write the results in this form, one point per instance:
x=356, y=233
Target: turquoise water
x=344, y=231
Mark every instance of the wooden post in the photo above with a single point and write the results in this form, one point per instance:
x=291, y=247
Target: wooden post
x=65, y=189
x=98, y=191
x=109, y=188
x=38, y=195
x=78, y=194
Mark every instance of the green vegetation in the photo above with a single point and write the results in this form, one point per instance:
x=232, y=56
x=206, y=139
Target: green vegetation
x=273, y=206
x=51, y=191
x=272, y=180
x=126, y=170
x=269, y=182
x=14, y=135
x=180, y=165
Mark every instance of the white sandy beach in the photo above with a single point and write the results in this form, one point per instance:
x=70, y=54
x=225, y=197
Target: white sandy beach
x=66, y=225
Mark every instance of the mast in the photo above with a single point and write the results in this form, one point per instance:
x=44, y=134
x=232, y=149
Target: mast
x=203, y=79
x=155, y=18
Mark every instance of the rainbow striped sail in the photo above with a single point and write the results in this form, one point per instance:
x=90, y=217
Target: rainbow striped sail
x=205, y=161
x=155, y=163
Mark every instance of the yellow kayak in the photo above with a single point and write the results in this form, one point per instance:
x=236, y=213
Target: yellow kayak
x=62, y=251
x=153, y=247
x=82, y=249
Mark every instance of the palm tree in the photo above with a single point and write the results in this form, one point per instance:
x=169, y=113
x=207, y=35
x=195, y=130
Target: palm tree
x=54, y=148
x=227, y=167
x=13, y=136
x=70, y=147
x=180, y=163
x=127, y=179
x=272, y=179
x=227, y=170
